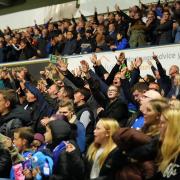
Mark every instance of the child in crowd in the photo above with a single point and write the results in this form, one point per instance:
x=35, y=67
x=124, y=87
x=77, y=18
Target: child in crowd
x=38, y=142
x=35, y=164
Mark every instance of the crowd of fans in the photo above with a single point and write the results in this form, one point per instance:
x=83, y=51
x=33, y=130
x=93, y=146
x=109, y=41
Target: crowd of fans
x=153, y=24
x=92, y=124
x=89, y=124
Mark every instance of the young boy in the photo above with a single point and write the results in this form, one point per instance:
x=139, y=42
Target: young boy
x=23, y=137
x=35, y=164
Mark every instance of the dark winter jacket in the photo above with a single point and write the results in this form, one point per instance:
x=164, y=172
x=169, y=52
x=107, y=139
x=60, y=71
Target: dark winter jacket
x=172, y=171
x=68, y=166
x=70, y=47
x=16, y=118
x=41, y=108
x=107, y=171
x=5, y=162
x=117, y=110
x=164, y=32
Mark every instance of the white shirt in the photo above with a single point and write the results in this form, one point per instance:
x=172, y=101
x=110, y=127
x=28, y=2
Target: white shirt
x=96, y=168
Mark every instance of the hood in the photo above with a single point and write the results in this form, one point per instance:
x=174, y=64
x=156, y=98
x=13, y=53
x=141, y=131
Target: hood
x=61, y=130
x=17, y=112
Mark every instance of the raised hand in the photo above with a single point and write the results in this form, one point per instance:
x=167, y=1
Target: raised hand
x=84, y=66
x=45, y=121
x=20, y=76
x=107, y=9
x=80, y=12
x=95, y=9
x=69, y=147
x=121, y=58
x=94, y=60
x=62, y=66
x=137, y=62
x=50, y=19
x=117, y=8
x=155, y=57
x=131, y=66
x=149, y=62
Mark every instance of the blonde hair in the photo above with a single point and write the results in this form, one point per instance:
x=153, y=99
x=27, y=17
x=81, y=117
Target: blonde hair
x=158, y=105
x=174, y=103
x=170, y=148
x=177, y=77
x=111, y=126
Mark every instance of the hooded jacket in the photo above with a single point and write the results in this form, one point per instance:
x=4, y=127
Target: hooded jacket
x=69, y=166
x=16, y=118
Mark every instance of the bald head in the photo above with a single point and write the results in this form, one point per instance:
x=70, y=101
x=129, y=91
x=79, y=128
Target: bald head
x=147, y=96
x=152, y=94
x=173, y=71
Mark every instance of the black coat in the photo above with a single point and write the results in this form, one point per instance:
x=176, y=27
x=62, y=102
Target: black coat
x=108, y=169
x=69, y=166
x=117, y=110
x=70, y=47
x=5, y=163
x=172, y=172
x=16, y=118
x=164, y=32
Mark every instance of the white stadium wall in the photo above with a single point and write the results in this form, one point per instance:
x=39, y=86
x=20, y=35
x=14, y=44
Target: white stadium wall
x=168, y=55
x=26, y=18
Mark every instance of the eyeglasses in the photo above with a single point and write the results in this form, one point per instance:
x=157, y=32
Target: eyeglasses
x=112, y=90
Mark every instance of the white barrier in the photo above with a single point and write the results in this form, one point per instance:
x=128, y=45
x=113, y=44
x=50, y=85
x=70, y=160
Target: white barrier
x=26, y=18
x=87, y=6
x=168, y=55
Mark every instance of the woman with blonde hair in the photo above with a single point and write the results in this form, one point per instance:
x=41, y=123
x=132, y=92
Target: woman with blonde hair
x=101, y=151
x=152, y=113
x=169, y=165
x=174, y=103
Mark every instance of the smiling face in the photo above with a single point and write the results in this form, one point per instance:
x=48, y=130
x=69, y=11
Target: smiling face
x=112, y=92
